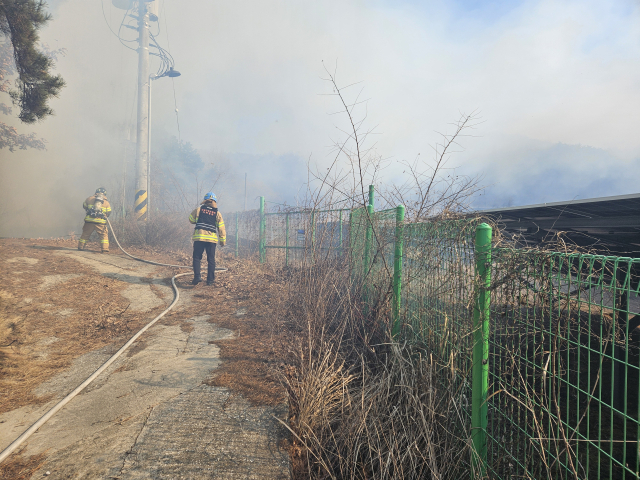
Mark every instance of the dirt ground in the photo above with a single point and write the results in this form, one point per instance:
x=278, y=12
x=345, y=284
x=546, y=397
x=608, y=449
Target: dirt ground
x=54, y=309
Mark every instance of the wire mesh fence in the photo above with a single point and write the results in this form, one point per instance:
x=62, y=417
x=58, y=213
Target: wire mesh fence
x=243, y=233
x=288, y=236
x=297, y=237
x=564, y=365
x=541, y=346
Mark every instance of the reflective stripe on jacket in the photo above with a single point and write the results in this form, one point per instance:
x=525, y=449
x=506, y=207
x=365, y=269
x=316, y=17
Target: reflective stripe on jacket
x=202, y=235
x=88, y=205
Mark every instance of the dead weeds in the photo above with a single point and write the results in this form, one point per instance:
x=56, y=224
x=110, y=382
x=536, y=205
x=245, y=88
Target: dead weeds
x=20, y=468
x=245, y=300
x=42, y=330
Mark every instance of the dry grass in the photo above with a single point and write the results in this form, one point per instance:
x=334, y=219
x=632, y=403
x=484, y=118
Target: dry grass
x=253, y=293
x=20, y=468
x=361, y=405
x=44, y=330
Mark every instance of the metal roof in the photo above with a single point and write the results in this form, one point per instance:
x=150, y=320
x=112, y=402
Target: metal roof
x=606, y=224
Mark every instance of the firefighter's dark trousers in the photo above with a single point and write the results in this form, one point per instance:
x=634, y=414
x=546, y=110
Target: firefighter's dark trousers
x=198, y=249
x=101, y=230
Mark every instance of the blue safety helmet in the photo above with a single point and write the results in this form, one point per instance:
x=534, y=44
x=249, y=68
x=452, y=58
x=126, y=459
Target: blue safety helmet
x=211, y=196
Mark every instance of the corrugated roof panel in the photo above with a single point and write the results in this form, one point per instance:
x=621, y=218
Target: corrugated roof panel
x=613, y=223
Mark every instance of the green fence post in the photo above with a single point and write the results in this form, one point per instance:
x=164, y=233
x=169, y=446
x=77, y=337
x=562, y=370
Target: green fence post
x=368, y=239
x=340, y=226
x=352, y=270
x=263, y=242
x=237, y=238
x=313, y=237
x=397, y=270
x=286, y=241
x=480, y=367
x=621, y=276
x=369, y=231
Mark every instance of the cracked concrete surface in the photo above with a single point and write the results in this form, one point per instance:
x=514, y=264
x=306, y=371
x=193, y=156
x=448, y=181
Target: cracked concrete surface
x=227, y=438
x=140, y=300
x=149, y=415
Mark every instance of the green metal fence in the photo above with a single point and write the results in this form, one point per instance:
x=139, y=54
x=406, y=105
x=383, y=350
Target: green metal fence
x=562, y=339
x=542, y=346
x=290, y=236
x=243, y=232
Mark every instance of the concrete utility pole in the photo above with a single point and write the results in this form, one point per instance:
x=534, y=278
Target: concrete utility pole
x=142, y=141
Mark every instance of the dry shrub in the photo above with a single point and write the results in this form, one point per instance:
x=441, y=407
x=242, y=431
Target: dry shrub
x=361, y=405
x=364, y=406
x=170, y=231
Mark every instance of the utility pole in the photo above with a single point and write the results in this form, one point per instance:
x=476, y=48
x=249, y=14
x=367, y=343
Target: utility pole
x=245, y=192
x=142, y=141
x=149, y=148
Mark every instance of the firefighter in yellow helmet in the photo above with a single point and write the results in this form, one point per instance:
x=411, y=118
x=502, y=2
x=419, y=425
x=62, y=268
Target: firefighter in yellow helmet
x=98, y=209
x=208, y=233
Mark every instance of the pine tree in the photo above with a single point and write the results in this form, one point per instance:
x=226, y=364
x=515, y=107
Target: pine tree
x=20, y=21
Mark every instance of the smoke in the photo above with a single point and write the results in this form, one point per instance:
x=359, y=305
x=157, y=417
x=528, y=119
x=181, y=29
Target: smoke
x=533, y=172
x=554, y=82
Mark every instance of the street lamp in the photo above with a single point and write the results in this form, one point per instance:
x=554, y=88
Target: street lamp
x=169, y=73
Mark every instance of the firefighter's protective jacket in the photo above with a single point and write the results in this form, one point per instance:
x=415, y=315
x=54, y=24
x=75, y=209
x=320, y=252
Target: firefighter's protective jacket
x=88, y=205
x=209, y=223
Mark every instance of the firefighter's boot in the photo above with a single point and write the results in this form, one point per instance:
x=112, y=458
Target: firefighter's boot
x=196, y=272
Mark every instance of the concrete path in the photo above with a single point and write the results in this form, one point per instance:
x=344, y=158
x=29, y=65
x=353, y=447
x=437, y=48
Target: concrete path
x=149, y=415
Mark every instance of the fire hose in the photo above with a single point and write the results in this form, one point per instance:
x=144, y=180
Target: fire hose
x=42, y=420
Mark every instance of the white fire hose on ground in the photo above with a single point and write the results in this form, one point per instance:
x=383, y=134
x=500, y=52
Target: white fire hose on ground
x=42, y=420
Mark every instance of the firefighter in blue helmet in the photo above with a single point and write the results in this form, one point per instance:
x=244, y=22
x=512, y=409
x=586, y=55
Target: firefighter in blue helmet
x=208, y=233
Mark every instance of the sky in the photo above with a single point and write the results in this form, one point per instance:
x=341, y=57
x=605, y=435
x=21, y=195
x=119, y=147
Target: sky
x=555, y=83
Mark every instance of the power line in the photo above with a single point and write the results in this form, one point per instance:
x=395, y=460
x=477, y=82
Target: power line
x=166, y=60
x=166, y=29
x=175, y=101
x=107, y=21
x=122, y=40
x=117, y=35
